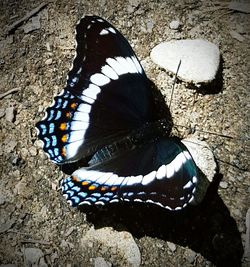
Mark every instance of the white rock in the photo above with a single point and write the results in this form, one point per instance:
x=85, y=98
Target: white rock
x=202, y=155
x=119, y=246
x=199, y=59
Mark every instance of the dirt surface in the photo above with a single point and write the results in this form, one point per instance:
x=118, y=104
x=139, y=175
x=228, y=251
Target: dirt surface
x=33, y=214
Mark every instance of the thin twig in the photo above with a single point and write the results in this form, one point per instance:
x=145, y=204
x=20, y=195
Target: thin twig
x=213, y=133
x=174, y=84
x=19, y=22
x=11, y=91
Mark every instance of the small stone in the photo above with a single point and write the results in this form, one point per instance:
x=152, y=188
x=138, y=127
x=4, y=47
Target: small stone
x=10, y=146
x=32, y=25
x=174, y=24
x=24, y=152
x=237, y=36
x=171, y=246
x=118, y=245
x=199, y=59
x=33, y=151
x=2, y=199
x=48, y=61
x=133, y=4
x=34, y=257
x=16, y=174
x=20, y=187
x=190, y=255
x=10, y=114
x=69, y=231
x=150, y=26
x=54, y=186
x=223, y=184
x=2, y=112
x=48, y=47
x=100, y=262
x=202, y=155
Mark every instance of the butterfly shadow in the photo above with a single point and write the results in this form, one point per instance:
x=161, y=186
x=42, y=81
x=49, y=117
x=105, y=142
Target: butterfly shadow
x=206, y=228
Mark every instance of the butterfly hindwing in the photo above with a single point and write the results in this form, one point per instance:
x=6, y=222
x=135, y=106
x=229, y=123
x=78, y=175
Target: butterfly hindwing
x=168, y=179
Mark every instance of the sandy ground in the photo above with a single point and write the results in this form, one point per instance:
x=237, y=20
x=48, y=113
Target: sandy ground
x=33, y=214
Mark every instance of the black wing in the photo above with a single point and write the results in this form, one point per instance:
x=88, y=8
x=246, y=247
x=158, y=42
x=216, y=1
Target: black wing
x=162, y=172
x=107, y=95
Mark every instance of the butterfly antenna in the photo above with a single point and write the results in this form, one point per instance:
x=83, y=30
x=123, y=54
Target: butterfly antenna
x=175, y=77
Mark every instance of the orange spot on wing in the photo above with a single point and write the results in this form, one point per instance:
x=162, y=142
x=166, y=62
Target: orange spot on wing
x=103, y=188
x=63, y=153
x=63, y=126
x=68, y=114
x=73, y=105
x=92, y=187
x=85, y=183
x=64, y=138
x=113, y=188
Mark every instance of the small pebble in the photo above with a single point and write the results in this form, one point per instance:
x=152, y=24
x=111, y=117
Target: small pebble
x=54, y=186
x=223, y=185
x=10, y=114
x=2, y=112
x=190, y=256
x=24, y=152
x=2, y=199
x=171, y=246
x=32, y=25
x=100, y=262
x=48, y=61
x=34, y=257
x=33, y=151
x=10, y=146
x=119, y=245
x=174, y=25
x=237, y=36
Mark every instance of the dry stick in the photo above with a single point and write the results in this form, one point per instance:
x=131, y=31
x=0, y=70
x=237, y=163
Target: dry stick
x=11, y=91
x=33, y=12
x=174, y=84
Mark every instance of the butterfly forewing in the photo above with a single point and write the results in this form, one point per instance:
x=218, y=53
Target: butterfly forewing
x=107, y=95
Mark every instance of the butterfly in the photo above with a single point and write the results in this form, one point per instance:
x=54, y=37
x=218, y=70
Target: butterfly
x=107, y=112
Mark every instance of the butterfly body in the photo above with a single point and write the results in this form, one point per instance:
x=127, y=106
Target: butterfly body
x=107, y=112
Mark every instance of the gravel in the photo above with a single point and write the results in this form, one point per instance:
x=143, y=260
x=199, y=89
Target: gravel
x=38, y=62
